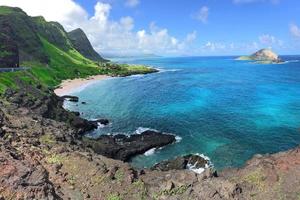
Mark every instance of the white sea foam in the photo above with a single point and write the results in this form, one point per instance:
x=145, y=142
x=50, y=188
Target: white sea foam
x=162, y=70
x=150, y=152
x=178, y=139
x=201, y=169
x=292, y=61
x=141, y=130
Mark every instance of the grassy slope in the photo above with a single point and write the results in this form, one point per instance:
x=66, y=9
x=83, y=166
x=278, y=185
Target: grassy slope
x=63, y=65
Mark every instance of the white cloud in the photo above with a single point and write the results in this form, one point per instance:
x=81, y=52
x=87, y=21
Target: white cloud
x=269, y=40
x=132, y=3
x=295, y=30
x=202, y=14
x=64, y=11
x=107, y=35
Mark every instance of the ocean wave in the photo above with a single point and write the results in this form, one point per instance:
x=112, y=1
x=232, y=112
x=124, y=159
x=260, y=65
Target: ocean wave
x=150, y=152
x=178, y=139
x=201, y=169
x=291, y=61
x=141, y=130
x=162, y=70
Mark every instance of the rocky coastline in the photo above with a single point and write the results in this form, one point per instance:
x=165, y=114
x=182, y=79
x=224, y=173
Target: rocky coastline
x=44, y=155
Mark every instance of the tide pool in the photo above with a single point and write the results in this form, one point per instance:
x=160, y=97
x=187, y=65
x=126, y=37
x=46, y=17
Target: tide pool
x=225, y=109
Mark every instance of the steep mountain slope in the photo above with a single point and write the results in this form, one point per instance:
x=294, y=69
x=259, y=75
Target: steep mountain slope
x=53, y=32
x=83, y=45
x=23, y=33
x=9, y=54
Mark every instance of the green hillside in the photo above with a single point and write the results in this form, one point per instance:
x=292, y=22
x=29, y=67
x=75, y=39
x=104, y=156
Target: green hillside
x=47, y=50
x=82, y=44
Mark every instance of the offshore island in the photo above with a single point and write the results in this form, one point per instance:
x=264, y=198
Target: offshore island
x=45, y=154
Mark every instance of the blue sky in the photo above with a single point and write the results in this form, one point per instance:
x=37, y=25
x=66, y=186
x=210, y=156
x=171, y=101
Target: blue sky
x=179, y=27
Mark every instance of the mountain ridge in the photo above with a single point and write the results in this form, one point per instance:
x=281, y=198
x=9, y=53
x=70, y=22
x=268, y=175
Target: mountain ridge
x=83, y=45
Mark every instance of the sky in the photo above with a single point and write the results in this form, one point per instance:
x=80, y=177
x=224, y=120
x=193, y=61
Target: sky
x=177, y=27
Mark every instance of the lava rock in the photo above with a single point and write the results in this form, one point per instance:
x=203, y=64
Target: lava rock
x=122, y=147
x=70, y=98
x=181, y=163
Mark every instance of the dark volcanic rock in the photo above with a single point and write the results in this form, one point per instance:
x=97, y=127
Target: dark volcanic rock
x=1, y=123
x=70, y=98
x=181, y=163
x=48, y=106
x=123, y=148
x=104, y=122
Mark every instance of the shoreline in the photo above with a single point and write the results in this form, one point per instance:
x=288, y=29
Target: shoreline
x=68, y=86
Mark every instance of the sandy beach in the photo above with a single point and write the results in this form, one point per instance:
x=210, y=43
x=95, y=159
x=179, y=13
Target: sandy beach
x=67, y=86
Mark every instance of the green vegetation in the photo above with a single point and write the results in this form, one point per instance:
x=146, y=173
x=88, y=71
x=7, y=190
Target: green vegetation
x=173, y=192
x=119, y=175
x=48, y=139
x=256, y=178
x=114, y=197
x=54, y=159
x=244, y=58
x=142, y=190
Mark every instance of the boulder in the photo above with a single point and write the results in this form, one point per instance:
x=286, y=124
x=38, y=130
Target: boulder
x=180, y=163
x=70, y=98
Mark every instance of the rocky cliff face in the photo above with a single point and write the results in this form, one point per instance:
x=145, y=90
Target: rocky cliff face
x=83, y=45
x=9, y=52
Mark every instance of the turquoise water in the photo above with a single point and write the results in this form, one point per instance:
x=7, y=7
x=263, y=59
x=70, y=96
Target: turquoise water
x=226, y=109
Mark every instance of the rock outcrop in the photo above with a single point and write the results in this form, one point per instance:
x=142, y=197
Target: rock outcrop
x=23, y=177
x=263, y=56
x=123, y=147
x=183, y=162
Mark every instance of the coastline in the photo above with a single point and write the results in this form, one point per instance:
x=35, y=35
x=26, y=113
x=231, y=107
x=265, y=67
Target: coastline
x=69, y=85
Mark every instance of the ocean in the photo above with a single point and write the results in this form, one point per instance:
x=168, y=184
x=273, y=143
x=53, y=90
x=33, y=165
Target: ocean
x=226, y=109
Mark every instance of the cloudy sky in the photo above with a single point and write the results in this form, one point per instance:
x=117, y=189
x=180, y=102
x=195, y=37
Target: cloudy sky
x=177, y=27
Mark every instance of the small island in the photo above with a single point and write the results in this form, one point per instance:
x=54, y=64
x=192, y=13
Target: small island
x=263, y=56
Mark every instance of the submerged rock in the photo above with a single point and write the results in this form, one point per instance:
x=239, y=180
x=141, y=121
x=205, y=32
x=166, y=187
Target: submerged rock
x=104, y=122
x=70, y=98
x=124, y=147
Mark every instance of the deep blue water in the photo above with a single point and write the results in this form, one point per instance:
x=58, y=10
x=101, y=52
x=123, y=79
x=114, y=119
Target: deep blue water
x=226, y=109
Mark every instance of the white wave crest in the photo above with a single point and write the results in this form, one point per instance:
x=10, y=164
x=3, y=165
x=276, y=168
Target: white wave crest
x=150, y=152
x=141, y=130
x=161, y=70
x=201, y=169
x=178, y=139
